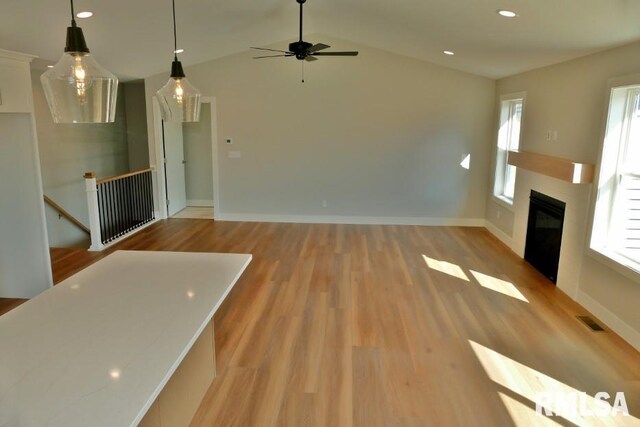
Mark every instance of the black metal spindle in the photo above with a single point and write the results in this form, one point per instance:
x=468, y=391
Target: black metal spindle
x=125, y=204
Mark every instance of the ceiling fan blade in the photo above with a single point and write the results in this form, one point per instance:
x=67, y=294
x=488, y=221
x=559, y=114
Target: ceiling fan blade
x=318, y=46
x=335, y=54
x=271, y=56
x=310, y=58
x=271, y=50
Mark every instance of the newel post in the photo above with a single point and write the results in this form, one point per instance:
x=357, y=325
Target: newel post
x=94, y=212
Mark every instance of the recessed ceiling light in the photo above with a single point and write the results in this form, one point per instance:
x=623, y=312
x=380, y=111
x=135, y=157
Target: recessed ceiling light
x=506, y=13
x=448, y=52
x=178, y=51
x=85, y=14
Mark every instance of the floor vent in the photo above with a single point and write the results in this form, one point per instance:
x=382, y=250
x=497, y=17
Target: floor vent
x=591, y=324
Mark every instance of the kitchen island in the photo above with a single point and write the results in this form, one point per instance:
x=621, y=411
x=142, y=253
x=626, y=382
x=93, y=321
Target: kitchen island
x=127, y=341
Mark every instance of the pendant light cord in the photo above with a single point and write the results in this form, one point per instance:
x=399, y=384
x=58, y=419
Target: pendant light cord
x=73, y=15
x=175, y=32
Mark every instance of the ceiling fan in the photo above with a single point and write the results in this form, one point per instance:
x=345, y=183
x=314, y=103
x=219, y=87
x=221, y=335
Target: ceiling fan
x=302, y=50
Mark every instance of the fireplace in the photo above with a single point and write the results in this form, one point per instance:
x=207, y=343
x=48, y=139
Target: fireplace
x=544, y=234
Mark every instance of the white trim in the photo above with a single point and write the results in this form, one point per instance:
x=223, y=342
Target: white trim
x=16, y=56
x=513, y=96
x=628, y=333
x=215, y=155
x=200, y=203
x=159, y=160
x=503, y=201
x=43, y=214
x=121, y=238
x=501, y=235
x=356, y=220
x=593, y=248
x=615, y=262
x=498, y=159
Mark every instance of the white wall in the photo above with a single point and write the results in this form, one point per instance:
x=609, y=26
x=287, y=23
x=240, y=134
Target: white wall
x=571, y=98
x=197, y=154
x=67, y=151
x=379, y=135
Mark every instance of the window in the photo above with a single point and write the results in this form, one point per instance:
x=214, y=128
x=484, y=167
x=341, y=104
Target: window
x=616, y=225
x=511, y=108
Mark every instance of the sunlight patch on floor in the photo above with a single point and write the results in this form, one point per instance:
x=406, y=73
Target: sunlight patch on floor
x=498, y=285
x=446, y=268
x=528, y=382
x=523, y=415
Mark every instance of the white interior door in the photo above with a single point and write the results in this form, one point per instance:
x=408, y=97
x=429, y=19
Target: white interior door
x=174, y=167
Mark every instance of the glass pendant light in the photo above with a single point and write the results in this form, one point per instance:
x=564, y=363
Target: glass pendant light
x=179, y=100
x=77, y=88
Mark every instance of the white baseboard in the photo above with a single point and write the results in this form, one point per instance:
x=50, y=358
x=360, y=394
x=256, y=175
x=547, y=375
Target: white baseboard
x=358, y=220
x=200, y=203
x=616, y=324
x=501, y=235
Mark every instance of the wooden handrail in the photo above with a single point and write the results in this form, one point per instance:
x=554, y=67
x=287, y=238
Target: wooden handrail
x=66, y=214
x=115, y=178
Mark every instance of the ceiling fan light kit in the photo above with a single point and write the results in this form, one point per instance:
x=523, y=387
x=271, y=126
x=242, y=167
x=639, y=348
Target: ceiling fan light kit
x=77, y=88
x=179, y=100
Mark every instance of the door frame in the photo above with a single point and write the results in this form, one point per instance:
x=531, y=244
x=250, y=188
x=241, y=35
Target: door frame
x=161, y=193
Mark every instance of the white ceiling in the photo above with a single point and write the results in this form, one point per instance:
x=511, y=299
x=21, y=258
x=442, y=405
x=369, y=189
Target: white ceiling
x=133, y=37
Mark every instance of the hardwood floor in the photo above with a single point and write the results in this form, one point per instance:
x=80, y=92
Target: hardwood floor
x=336, y=325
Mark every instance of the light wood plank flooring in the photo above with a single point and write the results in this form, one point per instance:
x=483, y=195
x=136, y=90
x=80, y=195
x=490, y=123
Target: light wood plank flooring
x=195, y=212
x=337, y=325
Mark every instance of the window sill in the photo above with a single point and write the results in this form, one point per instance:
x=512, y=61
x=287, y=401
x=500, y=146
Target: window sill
x=503, y=201
x=618, y=263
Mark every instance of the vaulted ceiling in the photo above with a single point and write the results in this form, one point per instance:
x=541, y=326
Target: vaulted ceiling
x=133, y=37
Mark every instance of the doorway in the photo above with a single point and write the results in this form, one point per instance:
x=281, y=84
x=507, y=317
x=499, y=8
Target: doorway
x=190, y=166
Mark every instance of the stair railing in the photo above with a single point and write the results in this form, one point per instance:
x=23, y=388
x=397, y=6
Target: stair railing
x=118, y=205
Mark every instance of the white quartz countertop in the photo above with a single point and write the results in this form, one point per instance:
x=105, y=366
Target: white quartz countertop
x=97, y=349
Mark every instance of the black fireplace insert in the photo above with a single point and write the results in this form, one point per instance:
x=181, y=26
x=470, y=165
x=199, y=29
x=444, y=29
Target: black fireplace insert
x=544, y=234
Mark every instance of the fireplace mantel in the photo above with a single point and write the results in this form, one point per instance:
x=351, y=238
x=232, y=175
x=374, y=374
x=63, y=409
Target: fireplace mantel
x=555, y=167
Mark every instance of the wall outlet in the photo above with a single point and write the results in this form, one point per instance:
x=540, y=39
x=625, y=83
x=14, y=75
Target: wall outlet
x=325, y=204
x=229, y=141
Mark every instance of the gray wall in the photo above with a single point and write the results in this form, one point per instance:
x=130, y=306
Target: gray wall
x=24, y=265
x=67, y=151
x=136, y=125
x=197, y=153
x=572, y=98
x=379, y=135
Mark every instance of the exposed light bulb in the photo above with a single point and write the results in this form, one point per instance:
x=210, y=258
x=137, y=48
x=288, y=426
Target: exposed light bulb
x=179, y=92
x=80, y=79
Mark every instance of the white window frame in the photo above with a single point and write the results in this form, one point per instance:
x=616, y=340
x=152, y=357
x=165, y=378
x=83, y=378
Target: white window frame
x=611, y=155
x=504, y=144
